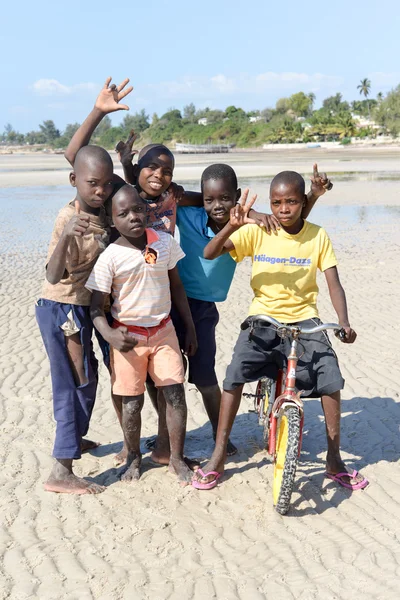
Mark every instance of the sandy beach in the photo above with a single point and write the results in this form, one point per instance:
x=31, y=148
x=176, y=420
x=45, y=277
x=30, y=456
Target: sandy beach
x=154, y=539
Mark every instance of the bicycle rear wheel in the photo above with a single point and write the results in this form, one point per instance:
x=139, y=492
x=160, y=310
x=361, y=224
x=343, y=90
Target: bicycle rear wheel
x=287, y=448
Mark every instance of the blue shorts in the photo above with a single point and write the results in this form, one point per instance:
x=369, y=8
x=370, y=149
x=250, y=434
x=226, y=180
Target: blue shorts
x=205, y=318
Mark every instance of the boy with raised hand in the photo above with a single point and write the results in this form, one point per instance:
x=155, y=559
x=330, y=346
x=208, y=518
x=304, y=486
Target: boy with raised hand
x=140, y=272
x=284, y=283
x=80, y=234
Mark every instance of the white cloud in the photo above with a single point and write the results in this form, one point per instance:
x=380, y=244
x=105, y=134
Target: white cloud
x=52, y=87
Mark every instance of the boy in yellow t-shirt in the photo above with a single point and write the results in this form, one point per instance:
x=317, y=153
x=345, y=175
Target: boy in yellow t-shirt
x=285, y=287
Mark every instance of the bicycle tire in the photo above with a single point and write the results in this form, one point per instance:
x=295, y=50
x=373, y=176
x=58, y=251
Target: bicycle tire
x=287, y=448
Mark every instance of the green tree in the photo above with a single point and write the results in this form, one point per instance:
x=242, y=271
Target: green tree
x=138, y=122
x=35, y=137
x=111, y=137
x=388, y=112
x=10, y=136
x=267, y=114
x=50, y=132
x=232, y=112
x=301, y=104
x=282, y=106
x=365, y=87
x=335, y=104
x=102, y=127
x=189, y=113
x=172, y=115
x=70, y=130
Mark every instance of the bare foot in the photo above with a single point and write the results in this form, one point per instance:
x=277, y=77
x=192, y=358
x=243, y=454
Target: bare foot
x=164, y=460
x=87, y=445
x=121, y=457
x=72, y=485
x=63, y=481
x=179, y=467
x=132, y=473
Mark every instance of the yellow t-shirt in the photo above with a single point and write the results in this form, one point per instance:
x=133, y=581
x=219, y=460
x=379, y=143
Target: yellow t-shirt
x=284, y=273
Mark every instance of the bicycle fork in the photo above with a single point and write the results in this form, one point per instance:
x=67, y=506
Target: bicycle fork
x=287, y=398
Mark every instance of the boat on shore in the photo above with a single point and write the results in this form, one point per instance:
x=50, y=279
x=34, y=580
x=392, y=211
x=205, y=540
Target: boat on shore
x=203, y=148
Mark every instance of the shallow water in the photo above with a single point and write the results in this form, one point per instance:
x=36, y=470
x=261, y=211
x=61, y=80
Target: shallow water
x=28, y=215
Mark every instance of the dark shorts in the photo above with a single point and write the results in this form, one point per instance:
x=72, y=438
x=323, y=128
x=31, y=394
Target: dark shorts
x=263, y=353
x=205, y=317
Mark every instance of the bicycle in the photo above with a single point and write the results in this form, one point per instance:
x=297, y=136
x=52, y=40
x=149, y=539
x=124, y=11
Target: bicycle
x=280, y=410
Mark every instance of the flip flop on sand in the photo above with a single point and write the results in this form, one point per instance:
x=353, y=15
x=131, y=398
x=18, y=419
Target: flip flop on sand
x=339, y=478
x=206, y=486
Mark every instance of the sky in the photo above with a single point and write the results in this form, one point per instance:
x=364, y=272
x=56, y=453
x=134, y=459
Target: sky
x=56, y=56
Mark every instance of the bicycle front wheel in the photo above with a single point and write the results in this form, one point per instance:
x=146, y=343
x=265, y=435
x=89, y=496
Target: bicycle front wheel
x=287, y=449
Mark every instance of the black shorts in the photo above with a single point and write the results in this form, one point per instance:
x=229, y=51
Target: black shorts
x=263, y=353
x=205, y=318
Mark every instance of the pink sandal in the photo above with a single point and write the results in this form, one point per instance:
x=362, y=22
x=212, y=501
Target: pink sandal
x=206, y=486
x=339, y=478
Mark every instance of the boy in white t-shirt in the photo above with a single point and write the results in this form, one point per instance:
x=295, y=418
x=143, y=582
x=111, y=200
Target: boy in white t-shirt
x=140, y=272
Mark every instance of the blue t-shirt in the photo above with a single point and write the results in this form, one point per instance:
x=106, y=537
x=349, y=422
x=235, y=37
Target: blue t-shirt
x=203, y=279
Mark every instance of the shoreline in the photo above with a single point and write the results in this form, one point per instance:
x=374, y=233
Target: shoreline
x=35, y=170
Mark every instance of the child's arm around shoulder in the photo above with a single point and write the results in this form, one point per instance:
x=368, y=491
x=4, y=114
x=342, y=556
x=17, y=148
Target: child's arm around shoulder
x=338, y=299
x=221, y=244
x=106, y=103
x=77, y=227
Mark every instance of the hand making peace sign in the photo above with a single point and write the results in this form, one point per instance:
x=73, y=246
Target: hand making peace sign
x=239, y=213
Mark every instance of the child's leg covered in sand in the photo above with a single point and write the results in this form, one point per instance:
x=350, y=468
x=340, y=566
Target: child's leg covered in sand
x=176, y=417
x=230, y=402
x=131, y=426
x=73, y=369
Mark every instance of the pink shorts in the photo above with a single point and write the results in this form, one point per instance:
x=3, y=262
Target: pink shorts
x=159, y=355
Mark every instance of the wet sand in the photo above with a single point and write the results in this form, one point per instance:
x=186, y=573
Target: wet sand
x=157, y=540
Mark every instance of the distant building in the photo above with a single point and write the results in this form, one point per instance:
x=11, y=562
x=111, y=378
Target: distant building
x=202, y=121
x=255, y=119
x=363, y=122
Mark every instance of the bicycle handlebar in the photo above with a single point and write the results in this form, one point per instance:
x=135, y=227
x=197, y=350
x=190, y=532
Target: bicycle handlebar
x=251, y=320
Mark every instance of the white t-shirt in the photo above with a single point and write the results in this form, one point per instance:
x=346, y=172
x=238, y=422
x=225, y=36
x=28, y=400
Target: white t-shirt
x=140, y=288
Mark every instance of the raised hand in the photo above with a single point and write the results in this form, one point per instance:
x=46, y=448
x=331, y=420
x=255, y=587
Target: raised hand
x=239, y=213
x=124, y=149
x=320, y=182
x=78, y=224
x=122, y=340
x=110, y=96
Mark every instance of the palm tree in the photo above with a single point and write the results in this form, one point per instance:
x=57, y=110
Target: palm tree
x=364, y=87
